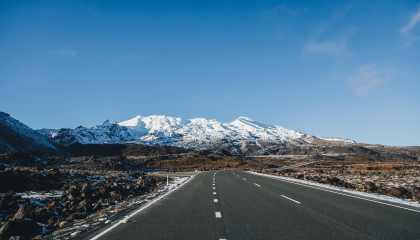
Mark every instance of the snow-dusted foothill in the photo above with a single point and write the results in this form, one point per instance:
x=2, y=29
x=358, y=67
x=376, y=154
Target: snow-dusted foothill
x=107, y=132
x=16, y=136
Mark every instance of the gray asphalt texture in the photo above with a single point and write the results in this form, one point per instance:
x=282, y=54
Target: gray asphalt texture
x=261, y=212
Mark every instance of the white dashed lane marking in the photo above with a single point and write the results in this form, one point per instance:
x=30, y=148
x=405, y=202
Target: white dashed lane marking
x=216, y=200
x=290, y=199
x=218, y=214
x=214, y=193
x=258, y=185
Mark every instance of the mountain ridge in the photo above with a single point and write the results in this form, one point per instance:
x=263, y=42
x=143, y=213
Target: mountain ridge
x=195, y=133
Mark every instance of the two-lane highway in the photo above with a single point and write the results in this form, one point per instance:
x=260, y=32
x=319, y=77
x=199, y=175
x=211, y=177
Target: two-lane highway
x=239, y=205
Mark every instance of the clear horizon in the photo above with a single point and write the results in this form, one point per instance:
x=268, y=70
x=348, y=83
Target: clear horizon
x=349, y=70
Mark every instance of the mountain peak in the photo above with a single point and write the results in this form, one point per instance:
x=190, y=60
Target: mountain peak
x=245, y=119
x=106, y=122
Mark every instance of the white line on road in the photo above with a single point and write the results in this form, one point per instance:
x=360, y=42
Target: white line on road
x=348, y=195
x=139, y=210
x=216, y=200
x=258, y=185
x=214, y=193
x=370, y=200
x=218, y=214
x=290, y=199
x=214, y=188
x=244, y=179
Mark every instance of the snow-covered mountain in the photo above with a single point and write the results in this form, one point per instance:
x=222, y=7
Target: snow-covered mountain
x=163, y=128
x=16, y=136
x=197, y=133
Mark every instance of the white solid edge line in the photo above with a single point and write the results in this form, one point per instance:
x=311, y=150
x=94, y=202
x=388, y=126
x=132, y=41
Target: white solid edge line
x=258, y=185
x=290, y=199
x=139, y=210
x=218, y=214
x=348, y=195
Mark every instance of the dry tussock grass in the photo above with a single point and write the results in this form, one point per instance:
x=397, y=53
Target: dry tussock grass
x=382, y=167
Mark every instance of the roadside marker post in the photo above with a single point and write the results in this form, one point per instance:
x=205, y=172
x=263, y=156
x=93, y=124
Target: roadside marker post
x=167, y=180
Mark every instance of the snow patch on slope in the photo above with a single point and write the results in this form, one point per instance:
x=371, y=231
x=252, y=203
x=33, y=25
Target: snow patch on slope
x=336, y=139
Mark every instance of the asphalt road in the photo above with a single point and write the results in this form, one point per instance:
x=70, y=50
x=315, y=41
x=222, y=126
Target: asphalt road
x=256, y=207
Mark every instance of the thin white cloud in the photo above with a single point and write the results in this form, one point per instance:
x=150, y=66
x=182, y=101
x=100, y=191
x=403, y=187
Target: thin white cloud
x=415, y=18
x=366, y=78
x=63, y=52
x=328, y=47
x=336, y=46
x=324, y=40
x=280, y=12
x=406, y=30
x=277, y=18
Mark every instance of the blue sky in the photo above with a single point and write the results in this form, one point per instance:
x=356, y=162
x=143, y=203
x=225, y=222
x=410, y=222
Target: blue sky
x=326, y=68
